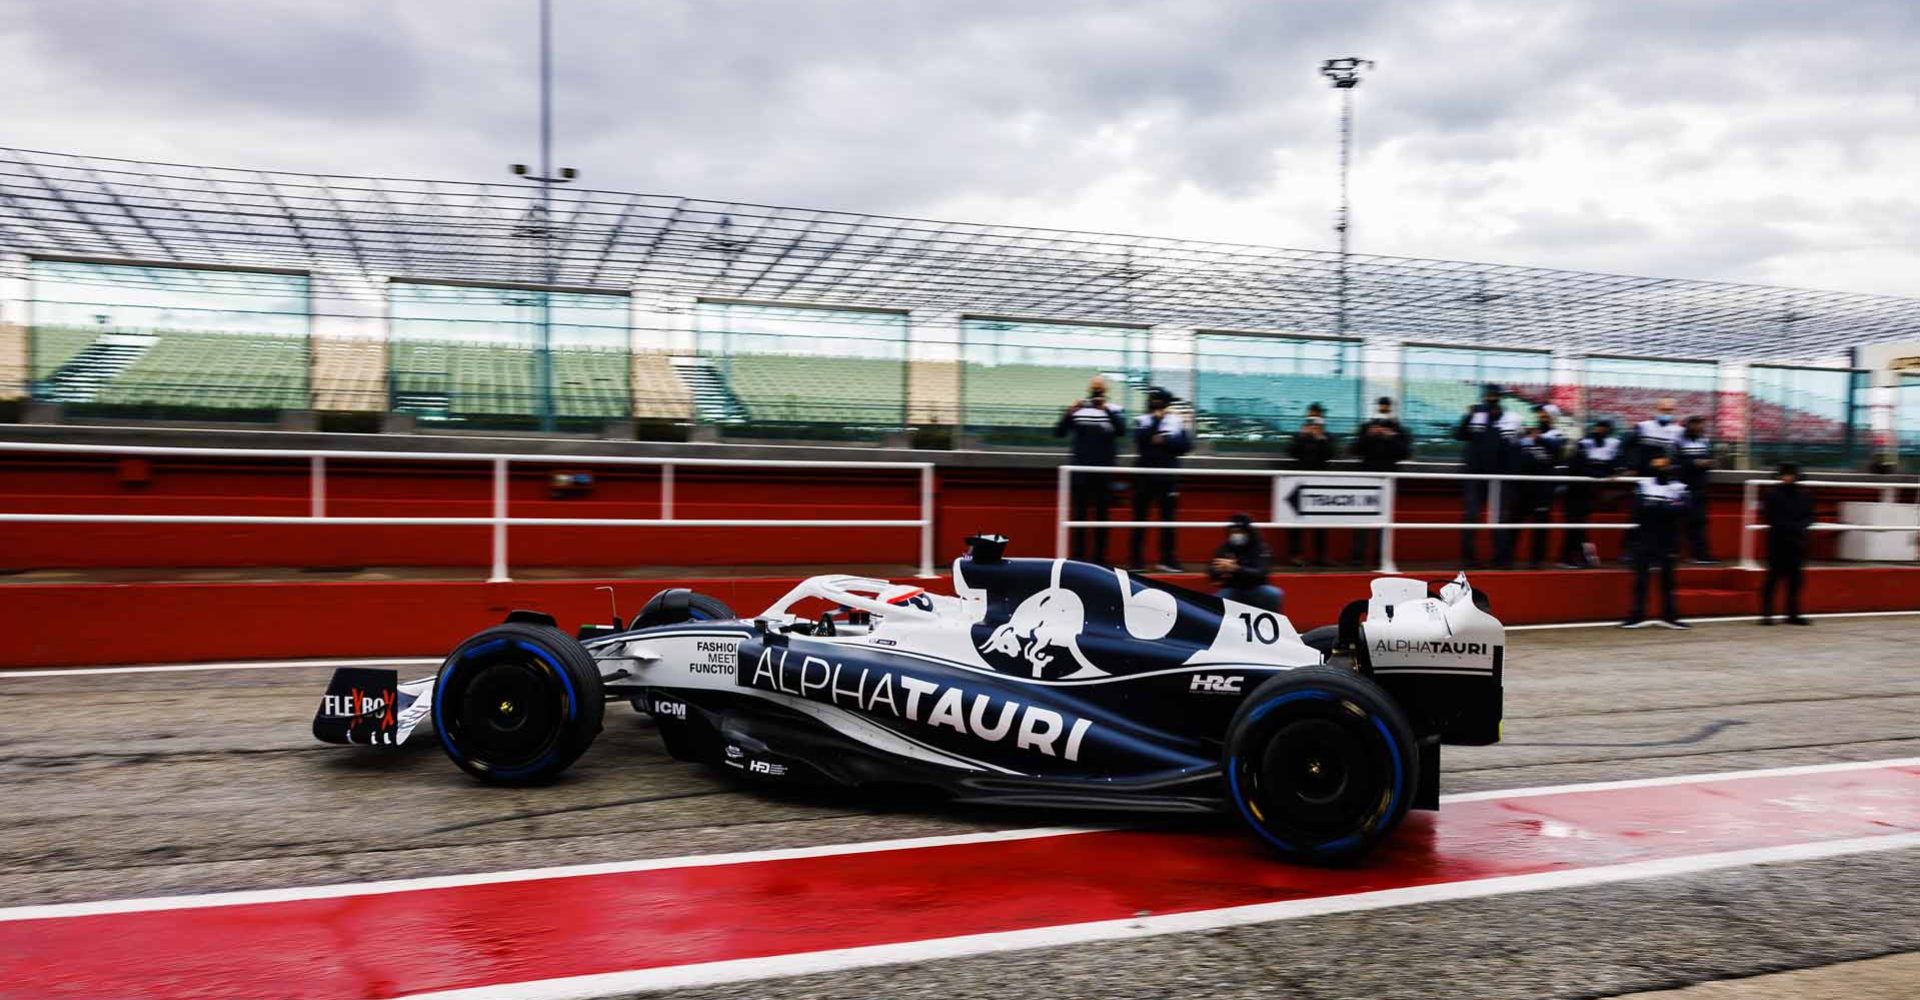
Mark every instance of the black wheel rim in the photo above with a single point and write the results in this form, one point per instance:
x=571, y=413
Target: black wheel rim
x=509, y=711
x=1321, y=776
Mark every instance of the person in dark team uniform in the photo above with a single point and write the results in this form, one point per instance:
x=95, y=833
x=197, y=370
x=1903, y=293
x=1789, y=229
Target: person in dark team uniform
x=1239, y=567
x=1788, y=510
x=1540, y=451
x=1093, y=427
x=1159, y=439
x=1488, y=431
x=1659, y=505
x=1596, y=456
x=1381, y=445
x=1693, y=464
x=1654, y=436
x=1312, y=449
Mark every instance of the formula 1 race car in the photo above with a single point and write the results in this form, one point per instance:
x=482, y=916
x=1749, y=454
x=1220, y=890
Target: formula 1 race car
x=1042, y=682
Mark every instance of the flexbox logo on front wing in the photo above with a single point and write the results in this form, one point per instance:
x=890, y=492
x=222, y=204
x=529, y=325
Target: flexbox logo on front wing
x=881, y=691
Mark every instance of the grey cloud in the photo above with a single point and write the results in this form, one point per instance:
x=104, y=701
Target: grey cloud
x=870, y=105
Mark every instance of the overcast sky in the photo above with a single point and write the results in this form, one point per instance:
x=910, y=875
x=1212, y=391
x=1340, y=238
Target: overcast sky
x=1744, y=140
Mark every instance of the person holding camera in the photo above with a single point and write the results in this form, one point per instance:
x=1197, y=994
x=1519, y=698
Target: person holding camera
x=1312, y=449
x=1159, y=439
x=1092, y=427
x=1381, y=446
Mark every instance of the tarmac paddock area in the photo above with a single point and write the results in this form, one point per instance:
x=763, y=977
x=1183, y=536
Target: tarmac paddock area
x=126, y=785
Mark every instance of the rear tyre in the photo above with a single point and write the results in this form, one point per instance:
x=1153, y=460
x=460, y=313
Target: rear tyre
x=517, y=704
x=1321, y=763
x=671, y=607
x=1321, y=639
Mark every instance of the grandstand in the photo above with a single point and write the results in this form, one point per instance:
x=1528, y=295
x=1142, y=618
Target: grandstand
x=158, y=287
x=816, y=389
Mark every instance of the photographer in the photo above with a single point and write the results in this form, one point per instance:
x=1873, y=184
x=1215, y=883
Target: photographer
x=1159, y=439
x=1312, y=449
x=1381, y=446
x=1093, y=427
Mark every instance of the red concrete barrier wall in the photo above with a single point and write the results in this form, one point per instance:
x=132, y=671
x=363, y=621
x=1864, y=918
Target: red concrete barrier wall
x=1016, y=502
x=90, y=624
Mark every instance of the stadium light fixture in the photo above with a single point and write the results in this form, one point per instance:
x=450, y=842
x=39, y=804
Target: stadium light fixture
x=540, y=216
x=1344, y=74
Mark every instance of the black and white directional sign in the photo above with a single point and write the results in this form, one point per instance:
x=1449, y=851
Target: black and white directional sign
x=1333, y=501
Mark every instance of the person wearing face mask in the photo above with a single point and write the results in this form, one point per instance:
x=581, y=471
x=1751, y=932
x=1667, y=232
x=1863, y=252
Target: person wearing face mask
x=1093, y=427
x=1239, y=567
x=1693, y=462
x=1311, y=449
x=1487, y=431
x=1788, y=510
x=1596, y=456
x=1659, y=505
x=1655, y=436
x=1381, y=445
x=1159, y=439
x=1540, y=451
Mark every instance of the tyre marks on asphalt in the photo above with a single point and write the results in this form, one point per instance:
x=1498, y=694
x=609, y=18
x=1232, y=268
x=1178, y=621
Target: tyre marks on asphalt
x=650, y=925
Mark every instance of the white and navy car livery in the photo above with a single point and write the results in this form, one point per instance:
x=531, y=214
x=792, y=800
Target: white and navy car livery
x=1039, y=682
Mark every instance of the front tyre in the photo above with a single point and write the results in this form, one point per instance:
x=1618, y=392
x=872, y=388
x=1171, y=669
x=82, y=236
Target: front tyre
x=1321, y=763
x=517, y=704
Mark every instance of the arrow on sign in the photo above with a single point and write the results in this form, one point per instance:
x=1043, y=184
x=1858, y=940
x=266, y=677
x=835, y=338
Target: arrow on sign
x=1331, y=500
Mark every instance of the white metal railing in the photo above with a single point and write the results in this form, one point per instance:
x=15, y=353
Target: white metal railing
x=501, y=518
x=1389, y=525
x=1750, y=495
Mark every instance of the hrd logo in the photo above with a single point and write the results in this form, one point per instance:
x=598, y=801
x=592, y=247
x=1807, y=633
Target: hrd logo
x=1216, y=683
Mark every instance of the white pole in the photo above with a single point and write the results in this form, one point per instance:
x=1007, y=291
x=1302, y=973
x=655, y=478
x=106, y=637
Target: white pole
x=1060, y=515
x=1387, y=504
x=926, y=520
x=317, y=486
x=499, y=523
x=1749, y=490
x=666, y=493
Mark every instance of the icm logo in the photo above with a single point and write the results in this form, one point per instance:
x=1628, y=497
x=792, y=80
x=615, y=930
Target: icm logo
x=1216, y=683
x=673, y=709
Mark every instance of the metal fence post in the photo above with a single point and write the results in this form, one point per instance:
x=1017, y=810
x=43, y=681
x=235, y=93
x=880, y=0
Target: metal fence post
x=317, y=487
x=666, y=492
x=926, y=520
x=1060, y=514
x=1749, y=490
x=499, y=523
x=1387, y=504
x=1495, y=512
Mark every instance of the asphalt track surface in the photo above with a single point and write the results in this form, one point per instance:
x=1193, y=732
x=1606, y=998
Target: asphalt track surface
x=122, y=785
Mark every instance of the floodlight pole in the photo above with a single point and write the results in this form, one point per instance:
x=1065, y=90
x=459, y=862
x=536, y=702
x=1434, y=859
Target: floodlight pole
x=1344, y=74
x=546, y=178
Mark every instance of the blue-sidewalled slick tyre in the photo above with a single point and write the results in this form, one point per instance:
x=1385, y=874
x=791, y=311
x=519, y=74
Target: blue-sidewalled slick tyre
x=1321, y=763
x=517, y=704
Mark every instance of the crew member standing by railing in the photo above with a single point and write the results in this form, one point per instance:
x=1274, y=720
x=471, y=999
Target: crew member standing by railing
x=1487, y=430
x=1541, y=451
x=1693, y=460
x=1159, y=439
x=1659, y=505
x=1654, y=436
x=1381, y=446
x=1789, y=514
x=1596, y=456
x=1092, y=427
x=1312, y=449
